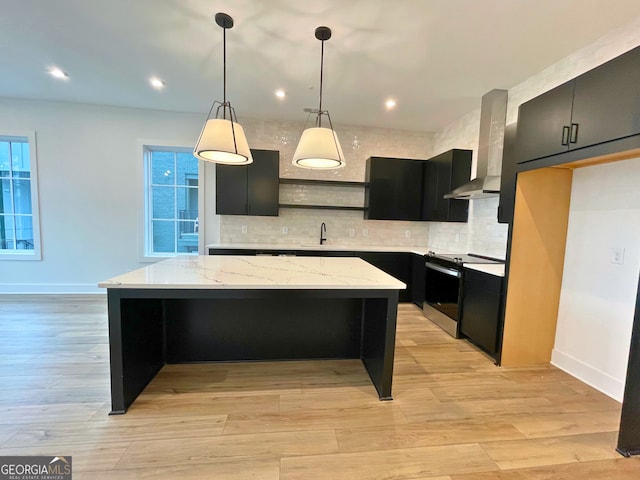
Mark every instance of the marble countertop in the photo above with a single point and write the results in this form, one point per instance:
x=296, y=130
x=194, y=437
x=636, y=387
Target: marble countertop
x=490, y=268
x=257, y=272
x=328, y=247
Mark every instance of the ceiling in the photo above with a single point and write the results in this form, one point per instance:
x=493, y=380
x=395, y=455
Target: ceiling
x=435, y=57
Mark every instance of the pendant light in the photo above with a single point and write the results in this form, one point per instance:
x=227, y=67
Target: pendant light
x=319, y=147
x=222, y=139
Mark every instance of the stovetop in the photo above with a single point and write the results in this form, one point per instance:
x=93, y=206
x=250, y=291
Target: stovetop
x=461, y=258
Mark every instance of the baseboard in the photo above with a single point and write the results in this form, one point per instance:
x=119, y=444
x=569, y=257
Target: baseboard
x=50, y=288
x=589, y=375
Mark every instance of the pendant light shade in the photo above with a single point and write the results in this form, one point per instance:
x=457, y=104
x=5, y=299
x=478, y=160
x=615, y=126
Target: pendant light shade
x=222, y=139
x=319, y=147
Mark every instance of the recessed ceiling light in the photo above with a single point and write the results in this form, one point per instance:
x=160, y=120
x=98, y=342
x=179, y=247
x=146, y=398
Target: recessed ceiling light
x=281, y=93
x=57, y=73
x=156, y=83
x=390, y=103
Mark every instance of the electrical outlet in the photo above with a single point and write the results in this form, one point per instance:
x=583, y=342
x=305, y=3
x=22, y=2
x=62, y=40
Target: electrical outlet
x=407, y=233
x=616, y=255
x=352, y=232
x=285, y=230
x=365, y=232
x=244, y=229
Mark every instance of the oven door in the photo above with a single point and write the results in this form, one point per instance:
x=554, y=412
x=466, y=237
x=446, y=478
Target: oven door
x=442, y=296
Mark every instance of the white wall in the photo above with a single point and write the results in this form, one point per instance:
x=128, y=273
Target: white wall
x=598, y=297
x=89, y=165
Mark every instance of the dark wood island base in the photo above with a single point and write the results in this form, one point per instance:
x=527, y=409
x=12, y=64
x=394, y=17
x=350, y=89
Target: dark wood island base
x=151, y=327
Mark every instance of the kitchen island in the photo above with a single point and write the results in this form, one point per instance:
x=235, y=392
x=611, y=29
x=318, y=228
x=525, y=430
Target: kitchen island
x=196, y=309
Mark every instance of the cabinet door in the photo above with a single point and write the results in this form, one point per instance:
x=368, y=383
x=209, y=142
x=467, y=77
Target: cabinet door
x=544, y=124
x=409, y=190
x=262, y=181
x=443, y=173
x=418, y=276
x=231, y=189
x=481, y=302
x=430, y=193
x=508, y=176
x=394, y=189
x=606, y=103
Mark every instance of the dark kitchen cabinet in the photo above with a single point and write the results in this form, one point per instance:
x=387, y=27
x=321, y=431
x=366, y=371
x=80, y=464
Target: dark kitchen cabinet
x=480, y=318
x=249, y=189
x=508, y=176
x=393, y=189
x=543, y=123
x=442, y=174
x=606, y=102
x=598, y=106
x=418, y=277
x=396, y=264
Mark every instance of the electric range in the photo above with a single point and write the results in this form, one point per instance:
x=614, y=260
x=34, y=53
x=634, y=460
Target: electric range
x=443, y=287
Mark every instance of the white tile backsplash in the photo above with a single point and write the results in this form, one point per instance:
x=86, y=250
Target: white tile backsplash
x=343, y=227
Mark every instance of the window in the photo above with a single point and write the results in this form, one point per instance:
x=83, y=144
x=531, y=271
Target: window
x=171, y=206
x=19, y=222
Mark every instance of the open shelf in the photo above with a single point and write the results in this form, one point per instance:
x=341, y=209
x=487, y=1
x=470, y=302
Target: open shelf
x=333, y=183
x=321, y=207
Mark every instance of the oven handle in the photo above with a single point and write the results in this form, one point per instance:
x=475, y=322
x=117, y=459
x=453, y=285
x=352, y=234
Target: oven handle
x=445, y=270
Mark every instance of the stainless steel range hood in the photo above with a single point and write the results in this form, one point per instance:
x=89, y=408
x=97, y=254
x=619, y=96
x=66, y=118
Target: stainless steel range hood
x=493, y=113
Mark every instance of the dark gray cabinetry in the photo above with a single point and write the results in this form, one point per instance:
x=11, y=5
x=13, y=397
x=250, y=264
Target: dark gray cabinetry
x=250, y=189
x=480, y=318
x=599, y=106
x=508, y=176
x=393, y=189
x=442, y=174
x=544, y=124
x=418, y=277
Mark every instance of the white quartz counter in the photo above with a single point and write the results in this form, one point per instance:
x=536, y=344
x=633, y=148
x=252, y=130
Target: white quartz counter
x=328, y=247
x=257, y=272
x=490, y=268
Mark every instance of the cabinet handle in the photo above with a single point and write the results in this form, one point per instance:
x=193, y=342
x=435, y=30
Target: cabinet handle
x=565, y=135
x=573, y=137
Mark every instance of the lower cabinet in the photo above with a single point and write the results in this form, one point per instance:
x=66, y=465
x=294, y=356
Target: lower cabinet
x=480, y=318
x=418, y=276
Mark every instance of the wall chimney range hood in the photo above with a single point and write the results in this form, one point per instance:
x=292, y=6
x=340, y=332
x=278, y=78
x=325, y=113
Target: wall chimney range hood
x=493, y=113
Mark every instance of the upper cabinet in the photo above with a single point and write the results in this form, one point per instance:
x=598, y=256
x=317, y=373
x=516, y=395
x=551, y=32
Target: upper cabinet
x=508, y=176
x=249, y=189
x=442, y=174
x=403, y=189
x=393, y=189
x=599, y=106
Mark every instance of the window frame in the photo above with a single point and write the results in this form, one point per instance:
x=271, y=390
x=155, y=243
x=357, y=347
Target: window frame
x=36, y=253
x=145, y=148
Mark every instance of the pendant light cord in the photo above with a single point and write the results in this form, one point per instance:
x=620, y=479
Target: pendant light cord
x=224, y=73
x=321, y=75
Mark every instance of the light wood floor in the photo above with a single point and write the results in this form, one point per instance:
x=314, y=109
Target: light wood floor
x=455, y=416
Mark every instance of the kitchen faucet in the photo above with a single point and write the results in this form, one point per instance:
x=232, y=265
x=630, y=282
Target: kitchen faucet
x=323, y=231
